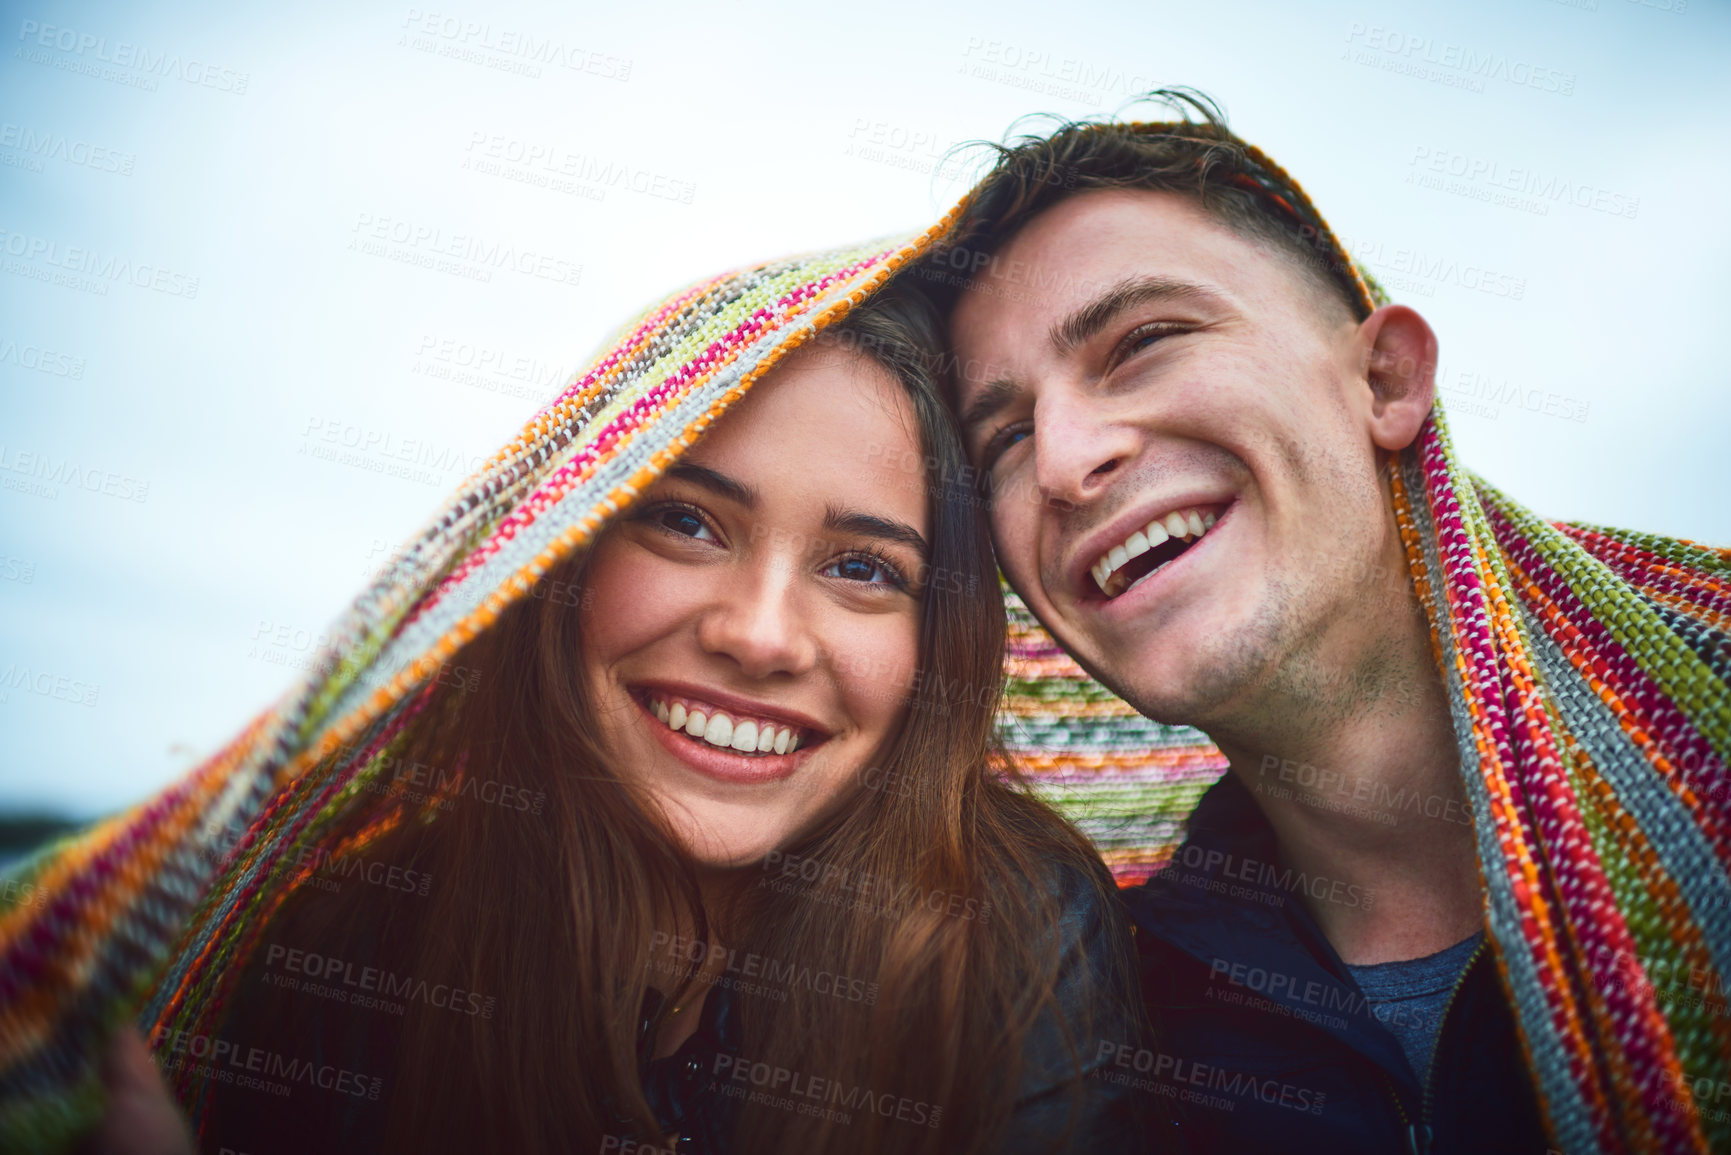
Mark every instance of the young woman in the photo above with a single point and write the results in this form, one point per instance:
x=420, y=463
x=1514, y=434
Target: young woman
x=718, y=855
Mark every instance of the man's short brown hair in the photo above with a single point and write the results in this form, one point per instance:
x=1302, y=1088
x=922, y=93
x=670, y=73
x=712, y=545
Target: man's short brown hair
x=1197, y=157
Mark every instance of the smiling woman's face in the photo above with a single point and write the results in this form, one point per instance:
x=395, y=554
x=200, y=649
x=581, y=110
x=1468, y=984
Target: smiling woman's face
x=751, y=626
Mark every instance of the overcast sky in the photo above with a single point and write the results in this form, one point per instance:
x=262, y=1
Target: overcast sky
x=216, y=221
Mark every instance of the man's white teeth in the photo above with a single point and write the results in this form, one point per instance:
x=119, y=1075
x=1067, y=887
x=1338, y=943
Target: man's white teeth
x=746, y=736
x=1188, y=524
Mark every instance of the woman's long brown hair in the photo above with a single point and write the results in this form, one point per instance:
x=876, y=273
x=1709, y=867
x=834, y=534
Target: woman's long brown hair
x=932, y=891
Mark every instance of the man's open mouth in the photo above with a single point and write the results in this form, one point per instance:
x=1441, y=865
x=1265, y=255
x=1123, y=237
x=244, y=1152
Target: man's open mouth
x=1152, y=548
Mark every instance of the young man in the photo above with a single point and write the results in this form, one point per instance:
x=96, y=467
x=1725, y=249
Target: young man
x=1464, y=886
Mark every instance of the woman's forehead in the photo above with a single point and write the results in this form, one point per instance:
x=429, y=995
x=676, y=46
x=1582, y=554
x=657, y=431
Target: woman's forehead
x=834, y=424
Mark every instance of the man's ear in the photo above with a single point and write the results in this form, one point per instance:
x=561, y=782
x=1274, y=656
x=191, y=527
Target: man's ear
x=1400, y=350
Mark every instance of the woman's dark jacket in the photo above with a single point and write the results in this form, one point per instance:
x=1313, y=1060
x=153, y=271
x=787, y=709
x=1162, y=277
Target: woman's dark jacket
x=690, y=1090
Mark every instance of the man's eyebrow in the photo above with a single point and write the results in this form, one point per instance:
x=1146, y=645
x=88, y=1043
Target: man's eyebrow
x=997, y=395
x=1088, y=320
x=715, y=482
x=852, y=521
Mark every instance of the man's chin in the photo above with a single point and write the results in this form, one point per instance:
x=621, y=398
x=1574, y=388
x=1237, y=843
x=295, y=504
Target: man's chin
x=1174, y=689
x=1169, y=708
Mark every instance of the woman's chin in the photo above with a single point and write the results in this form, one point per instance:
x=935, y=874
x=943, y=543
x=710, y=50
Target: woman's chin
x=733, y=827
x=714, y=847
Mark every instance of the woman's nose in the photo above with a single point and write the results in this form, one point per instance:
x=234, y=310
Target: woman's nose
x=757, y=620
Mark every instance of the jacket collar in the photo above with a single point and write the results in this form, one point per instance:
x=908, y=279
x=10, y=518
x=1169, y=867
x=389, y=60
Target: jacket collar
x=1227, y=901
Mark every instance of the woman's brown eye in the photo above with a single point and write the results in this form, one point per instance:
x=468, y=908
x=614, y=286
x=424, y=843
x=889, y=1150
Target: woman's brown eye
x=681, y=522
x=866, y=570
x=857, y=569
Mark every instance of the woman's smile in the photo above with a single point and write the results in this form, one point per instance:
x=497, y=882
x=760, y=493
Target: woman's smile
x=734, y=742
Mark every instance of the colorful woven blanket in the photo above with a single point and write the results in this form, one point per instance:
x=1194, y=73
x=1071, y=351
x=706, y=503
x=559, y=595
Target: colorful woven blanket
x=1588, y=668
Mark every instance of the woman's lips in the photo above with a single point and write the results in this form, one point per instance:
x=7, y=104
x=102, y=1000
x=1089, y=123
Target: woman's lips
x=723, y=762
x=746, y=732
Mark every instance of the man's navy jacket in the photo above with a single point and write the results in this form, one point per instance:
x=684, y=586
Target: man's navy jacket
x=1263, y=1042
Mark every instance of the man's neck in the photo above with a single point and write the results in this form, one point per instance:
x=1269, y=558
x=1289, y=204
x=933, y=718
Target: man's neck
x=1368, y=793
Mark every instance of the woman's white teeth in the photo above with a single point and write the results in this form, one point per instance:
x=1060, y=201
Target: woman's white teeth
x=719, y=731
x=746, y=736
x=1188, y=524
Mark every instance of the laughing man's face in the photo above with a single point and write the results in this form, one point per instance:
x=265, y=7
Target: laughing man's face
x=1177, y=425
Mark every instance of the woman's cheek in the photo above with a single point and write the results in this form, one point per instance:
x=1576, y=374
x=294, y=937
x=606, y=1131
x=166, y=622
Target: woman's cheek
x=879, y=676
x=632, y=597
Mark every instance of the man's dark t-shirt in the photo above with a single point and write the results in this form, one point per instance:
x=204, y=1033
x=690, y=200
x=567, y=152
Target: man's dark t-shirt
x=1264, y=1041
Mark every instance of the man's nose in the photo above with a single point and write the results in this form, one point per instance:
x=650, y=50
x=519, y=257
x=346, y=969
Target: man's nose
x=758, y=620
x=1077, y=449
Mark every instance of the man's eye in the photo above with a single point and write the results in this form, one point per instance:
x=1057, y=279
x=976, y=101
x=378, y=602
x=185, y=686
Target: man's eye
x=1143, y=336
x=1003, y=439
x=1147, y=337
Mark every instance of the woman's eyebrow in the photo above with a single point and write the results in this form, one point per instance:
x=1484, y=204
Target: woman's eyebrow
x=715, y=482
x=852, y=521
